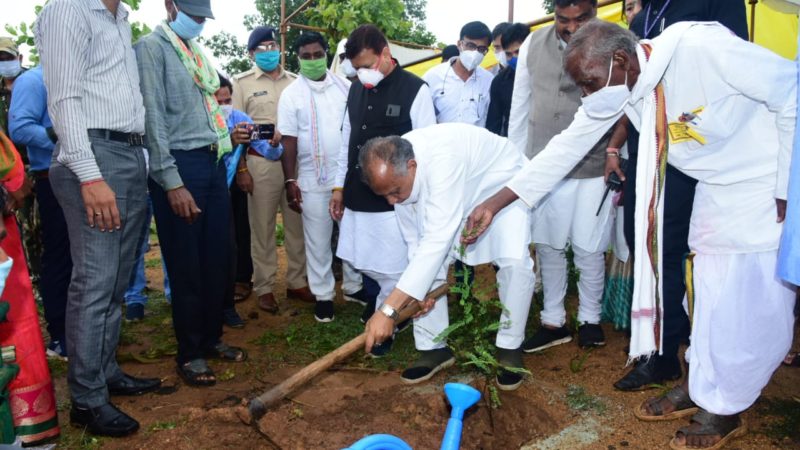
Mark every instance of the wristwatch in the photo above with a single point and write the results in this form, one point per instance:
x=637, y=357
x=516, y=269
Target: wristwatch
x=389, y=312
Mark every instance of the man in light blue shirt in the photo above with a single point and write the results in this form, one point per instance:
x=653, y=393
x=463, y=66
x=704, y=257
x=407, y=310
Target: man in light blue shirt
x=29, y=124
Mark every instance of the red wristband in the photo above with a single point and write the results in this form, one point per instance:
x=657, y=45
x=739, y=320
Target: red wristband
x=87, y=183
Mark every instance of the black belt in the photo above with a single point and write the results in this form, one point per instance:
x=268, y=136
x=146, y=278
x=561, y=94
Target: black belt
x=133, y=139
x=213, y=148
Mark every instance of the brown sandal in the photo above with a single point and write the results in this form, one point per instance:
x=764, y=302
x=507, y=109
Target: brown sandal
x=684, y=406
x=241, y=292
x=729, y=427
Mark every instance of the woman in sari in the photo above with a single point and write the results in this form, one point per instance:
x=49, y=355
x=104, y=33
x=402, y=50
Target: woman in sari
x=31, y=393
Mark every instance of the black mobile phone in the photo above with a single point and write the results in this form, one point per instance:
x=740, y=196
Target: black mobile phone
x=263, y=132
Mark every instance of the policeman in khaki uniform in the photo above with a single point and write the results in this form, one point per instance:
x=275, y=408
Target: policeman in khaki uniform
x=256, y=92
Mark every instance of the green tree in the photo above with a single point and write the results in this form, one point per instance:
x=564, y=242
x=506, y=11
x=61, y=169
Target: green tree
x=23, y=33
x=549, y=6
x=401, y=20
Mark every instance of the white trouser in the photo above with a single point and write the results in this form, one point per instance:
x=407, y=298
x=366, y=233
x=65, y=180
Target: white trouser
x=385, y=281
x=590, y=265
x=515, y=281
x=317, y=232
x=742, y=329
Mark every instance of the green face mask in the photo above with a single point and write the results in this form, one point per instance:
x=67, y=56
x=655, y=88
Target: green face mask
x=313, y=69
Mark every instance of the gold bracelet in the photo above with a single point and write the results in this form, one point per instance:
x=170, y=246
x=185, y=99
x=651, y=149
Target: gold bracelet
x=242, y=170
x=337, y=189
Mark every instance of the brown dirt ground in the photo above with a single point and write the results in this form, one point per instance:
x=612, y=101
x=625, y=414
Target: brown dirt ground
x=352, y=401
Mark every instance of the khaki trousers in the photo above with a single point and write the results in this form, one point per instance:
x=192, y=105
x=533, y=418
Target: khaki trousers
x=262, y=208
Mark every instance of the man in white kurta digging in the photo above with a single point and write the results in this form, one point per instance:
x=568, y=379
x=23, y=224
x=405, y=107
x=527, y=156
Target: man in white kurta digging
x=308, y=113
x=732, y=130
x=435, y=176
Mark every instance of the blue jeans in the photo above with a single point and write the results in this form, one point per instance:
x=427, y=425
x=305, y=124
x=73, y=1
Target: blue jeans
x=135, y=292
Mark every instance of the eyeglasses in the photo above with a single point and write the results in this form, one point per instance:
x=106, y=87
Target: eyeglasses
x=482, y=49
x=267, y=48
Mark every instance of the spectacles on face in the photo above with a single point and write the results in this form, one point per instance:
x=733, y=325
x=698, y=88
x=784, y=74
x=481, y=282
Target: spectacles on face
x=467, y=45
x=267, y=47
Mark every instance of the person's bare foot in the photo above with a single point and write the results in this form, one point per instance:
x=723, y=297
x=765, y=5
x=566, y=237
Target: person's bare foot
x=662, y=405
x=707, y=430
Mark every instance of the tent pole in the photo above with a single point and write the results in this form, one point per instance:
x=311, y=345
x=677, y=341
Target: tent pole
x=511, y=11
x=753, y=20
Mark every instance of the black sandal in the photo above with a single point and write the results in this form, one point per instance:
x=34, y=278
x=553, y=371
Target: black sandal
x=728, y=427
x=197, y=373
x=684, y=406
x=227, y=352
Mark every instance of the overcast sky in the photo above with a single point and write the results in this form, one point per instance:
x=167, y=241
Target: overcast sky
x=445, y=17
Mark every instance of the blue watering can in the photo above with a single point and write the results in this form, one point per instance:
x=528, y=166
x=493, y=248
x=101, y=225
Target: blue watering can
x=461, y=398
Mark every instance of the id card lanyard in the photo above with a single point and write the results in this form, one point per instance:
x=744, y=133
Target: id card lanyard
x=649, y=27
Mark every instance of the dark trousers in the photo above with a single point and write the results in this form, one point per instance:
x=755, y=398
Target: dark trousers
x=678, y=201
x=197, y=255
x=241, y=229
x=56, y=261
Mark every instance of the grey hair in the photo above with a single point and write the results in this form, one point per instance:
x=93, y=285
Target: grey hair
x=392, y=150
x=598, y=40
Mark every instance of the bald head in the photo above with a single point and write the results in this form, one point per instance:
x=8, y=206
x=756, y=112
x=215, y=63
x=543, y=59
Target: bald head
x=388, y=167
x=591, y=50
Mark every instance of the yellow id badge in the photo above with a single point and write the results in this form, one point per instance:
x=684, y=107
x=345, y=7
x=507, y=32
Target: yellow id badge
x=681, y=131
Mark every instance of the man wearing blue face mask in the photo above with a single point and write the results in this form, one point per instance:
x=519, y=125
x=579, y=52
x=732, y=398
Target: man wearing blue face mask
x=256, y=93
x=544, y=91
x=10, y=69
x=188, y=185
x=503, y=83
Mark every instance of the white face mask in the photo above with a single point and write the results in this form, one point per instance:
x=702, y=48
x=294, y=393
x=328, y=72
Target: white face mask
x=347, y=69
x=501, y=58
x=471, y=59
x=371, y=77
x=10, y=69
x=5, y=270
x=227, y=110
x=609, y=101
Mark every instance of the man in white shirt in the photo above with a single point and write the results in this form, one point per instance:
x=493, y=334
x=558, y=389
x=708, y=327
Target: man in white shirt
x=434, y=177
x=544, y=101
x=696, y=109
x=309, y=113
x=460, y=87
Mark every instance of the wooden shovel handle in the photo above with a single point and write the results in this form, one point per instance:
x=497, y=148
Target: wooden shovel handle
x=259, y=405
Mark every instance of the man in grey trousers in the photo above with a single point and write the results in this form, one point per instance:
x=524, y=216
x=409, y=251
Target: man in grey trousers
x=99, y=176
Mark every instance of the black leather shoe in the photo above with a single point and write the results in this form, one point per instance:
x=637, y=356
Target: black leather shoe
x=128, y=385
x=647, y=374
x=105, y=420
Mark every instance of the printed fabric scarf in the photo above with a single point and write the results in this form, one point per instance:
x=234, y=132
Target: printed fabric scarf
x=647, y=308
x=206, y=78
x=317, y=154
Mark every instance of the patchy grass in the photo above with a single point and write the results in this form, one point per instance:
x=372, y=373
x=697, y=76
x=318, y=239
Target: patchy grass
x=58, y=367
x=280, y=235
x=580, y=400
x=151, y=263
x=156, y=325
x=72, y=437
x=310, y=340
x=782, y=420
x=161, y=426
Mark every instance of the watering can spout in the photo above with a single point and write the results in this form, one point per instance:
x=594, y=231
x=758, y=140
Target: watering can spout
x=461, y=398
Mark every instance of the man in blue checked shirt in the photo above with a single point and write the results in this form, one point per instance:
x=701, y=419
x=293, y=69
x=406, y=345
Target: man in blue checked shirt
x=30, y=125
x=240, y=186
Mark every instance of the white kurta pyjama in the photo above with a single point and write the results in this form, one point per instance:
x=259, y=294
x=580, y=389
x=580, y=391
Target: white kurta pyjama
x=458, y=167
x=316, y=172
x=747, y=122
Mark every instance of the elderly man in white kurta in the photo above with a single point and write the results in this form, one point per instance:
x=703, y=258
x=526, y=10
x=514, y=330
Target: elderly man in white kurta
x=731, y=129
x=434, y=177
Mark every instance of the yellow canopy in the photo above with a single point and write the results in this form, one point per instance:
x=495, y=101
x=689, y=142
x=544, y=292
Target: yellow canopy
x=773, y=30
